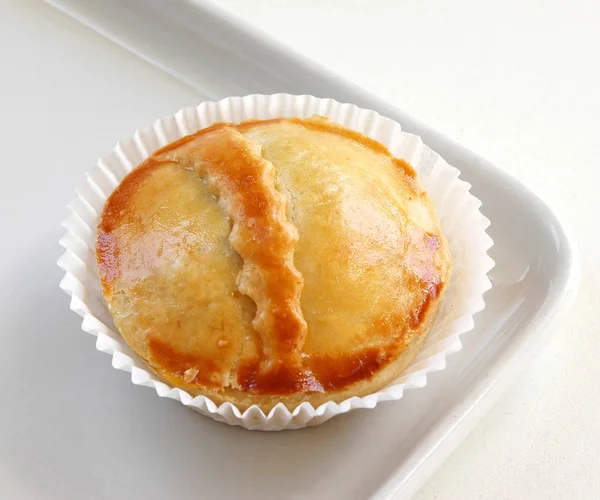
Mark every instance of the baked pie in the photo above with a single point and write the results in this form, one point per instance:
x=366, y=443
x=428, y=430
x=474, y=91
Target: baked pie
x=284, y=260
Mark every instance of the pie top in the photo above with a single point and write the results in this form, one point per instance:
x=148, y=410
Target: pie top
x=273, y=261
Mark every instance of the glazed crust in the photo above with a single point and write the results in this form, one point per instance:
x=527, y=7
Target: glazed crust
x=273, y=261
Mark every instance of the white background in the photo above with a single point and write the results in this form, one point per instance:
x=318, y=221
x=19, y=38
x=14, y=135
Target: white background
x=518, y=82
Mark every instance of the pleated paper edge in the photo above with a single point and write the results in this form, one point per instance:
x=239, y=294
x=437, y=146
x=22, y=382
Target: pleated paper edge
x=108, y=172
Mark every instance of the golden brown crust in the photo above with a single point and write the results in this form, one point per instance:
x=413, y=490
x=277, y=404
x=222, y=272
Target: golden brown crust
x=203, y=251
x=243, y=182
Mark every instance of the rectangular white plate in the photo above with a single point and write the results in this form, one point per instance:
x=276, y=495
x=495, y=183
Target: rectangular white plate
x=384, y=453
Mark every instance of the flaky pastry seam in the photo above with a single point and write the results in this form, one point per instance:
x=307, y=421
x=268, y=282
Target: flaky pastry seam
x=244, y=183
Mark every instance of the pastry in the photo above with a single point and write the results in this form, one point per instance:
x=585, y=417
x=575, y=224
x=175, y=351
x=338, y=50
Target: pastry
x=272, y=261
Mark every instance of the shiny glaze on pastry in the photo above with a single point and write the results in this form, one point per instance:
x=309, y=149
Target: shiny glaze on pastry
x=273, y=261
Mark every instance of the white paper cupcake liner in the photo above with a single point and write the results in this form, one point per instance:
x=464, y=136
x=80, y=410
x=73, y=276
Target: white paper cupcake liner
x=461, y=220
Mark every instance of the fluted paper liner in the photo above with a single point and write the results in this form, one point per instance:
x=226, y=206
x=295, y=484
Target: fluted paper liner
x=461, y=220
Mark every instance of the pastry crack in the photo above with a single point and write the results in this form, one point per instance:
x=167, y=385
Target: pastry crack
x=245, y=184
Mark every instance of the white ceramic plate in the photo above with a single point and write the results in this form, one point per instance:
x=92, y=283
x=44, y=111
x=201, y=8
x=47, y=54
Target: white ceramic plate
x=390, y=451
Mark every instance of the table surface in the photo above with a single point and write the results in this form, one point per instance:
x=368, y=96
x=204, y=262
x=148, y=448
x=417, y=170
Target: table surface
x=515, y=81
